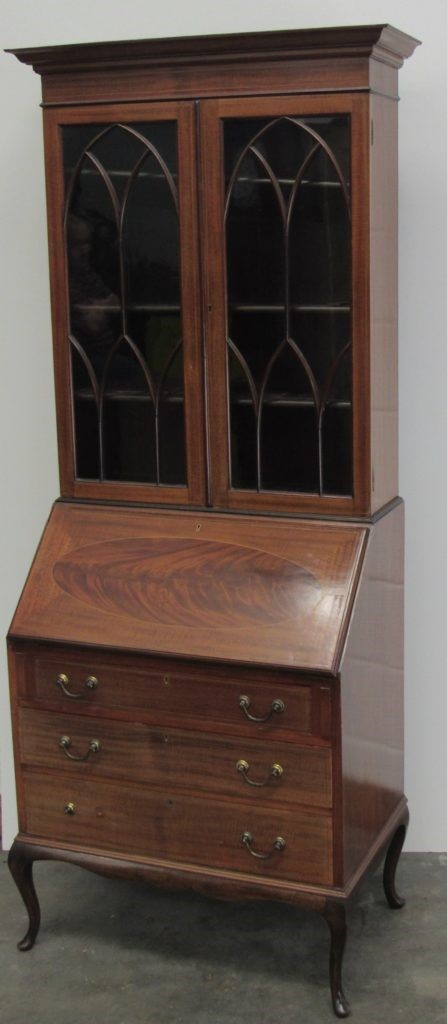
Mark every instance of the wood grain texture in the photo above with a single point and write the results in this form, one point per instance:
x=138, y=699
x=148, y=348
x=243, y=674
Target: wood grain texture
x=127, y=818
x=361, y=284
x=383, y=314
x=184, y=115
x=198, y=763
x=178, y=614
x=133, y=80
x=270, y=77
x=218, y=884
x=372, y=695
x=213, y=114
x=384, y=41
x=141, y=580
x=343, y=58
x=170, y=692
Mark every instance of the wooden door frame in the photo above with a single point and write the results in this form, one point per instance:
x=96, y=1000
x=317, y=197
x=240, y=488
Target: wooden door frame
x=183, y=112
x=214, y=275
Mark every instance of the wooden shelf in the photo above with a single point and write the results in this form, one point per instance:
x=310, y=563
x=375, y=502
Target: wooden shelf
x=242, y=307
x=245, y=179
x=134, y=307
x=284, y=401
x=128, y=395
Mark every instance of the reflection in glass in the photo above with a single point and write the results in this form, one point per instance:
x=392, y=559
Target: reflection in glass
x=86, y=410
x=288, y=244
x=122, y=238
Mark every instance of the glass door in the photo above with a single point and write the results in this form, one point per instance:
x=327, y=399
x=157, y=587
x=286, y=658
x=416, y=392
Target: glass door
x=132, y=302
x=284, y=343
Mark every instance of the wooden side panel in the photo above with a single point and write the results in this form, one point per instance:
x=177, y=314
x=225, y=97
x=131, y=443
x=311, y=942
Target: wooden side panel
x=15, y=673
x=372, y=695
x=383, y=257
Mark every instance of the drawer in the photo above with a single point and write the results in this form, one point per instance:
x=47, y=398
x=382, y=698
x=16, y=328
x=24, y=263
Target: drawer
x=258, y=770
x=203, y=696
x=137, y=821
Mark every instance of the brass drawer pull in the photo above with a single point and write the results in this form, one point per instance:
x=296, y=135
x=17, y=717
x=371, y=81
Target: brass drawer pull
x=243, y=768
x=277, y=708
x=278, y=845
x=65, y=743
x=62, y=681
x=70, y=809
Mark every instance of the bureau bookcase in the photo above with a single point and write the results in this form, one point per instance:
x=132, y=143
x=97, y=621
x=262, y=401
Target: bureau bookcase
x=211, y=630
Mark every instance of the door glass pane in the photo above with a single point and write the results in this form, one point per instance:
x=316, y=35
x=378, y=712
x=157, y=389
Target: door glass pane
x=288, y=253
x=86, y=414
x=122, y=237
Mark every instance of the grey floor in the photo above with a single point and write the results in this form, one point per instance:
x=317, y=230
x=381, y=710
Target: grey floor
x=124, y=953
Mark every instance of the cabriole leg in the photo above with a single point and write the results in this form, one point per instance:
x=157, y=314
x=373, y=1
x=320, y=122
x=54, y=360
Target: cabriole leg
x=20, y=863
x=335, y=915
x=395, y=901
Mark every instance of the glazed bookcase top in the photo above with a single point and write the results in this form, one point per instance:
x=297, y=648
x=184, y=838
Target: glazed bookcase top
x=276, y=309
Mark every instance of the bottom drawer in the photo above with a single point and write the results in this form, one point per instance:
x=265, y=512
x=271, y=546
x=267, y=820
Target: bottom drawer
x=134, y=820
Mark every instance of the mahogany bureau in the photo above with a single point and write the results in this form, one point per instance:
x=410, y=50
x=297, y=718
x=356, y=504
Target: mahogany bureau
x=206, y=661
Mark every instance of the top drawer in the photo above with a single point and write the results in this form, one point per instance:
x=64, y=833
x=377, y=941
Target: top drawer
x=229, y=698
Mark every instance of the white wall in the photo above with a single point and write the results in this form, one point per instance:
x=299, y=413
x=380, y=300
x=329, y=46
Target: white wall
x=27, y=428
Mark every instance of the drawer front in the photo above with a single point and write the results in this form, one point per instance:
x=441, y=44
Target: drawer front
x=241, y=768
x=169, y=826
x=202, y=696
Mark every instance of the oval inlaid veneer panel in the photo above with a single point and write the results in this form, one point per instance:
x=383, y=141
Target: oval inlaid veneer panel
x=188, y=583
